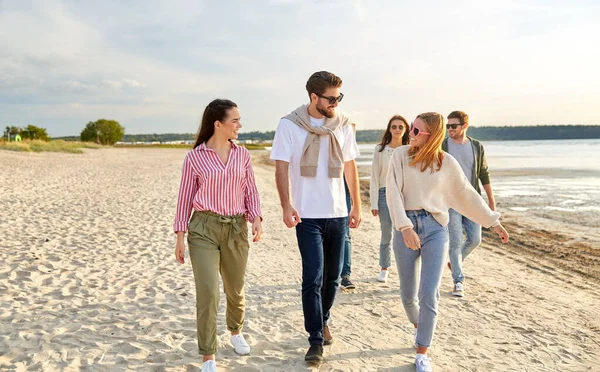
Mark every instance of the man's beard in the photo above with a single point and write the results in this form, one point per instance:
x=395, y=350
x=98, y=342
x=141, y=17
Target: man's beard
x=327, y=113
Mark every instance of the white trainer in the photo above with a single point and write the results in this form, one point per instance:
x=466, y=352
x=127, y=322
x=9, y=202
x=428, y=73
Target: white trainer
x=423, y=363
x=240, y=345
x=209, y=366
x=459, y=290
x=383, y=276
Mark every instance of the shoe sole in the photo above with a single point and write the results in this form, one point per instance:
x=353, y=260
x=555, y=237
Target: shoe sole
x=313, y=360
x=348, y=287
x=456, y=294
x=328, y=342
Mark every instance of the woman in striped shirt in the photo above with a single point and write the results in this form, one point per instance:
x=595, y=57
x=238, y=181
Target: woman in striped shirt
x=217, y=184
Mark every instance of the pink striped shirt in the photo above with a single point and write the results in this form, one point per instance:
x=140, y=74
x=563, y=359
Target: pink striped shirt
x=209, y=185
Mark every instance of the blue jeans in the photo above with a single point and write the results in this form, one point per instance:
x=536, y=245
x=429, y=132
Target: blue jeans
x=321, y=244
x=421, y=307
x=459, y=250
x=385, y=251
x=346, y=268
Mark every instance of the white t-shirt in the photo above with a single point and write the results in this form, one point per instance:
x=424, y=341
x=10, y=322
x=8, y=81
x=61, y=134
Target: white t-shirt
x=320, y=196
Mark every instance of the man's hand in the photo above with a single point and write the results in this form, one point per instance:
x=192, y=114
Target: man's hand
x=355, y=217
x=290, y=216
x=374, y=212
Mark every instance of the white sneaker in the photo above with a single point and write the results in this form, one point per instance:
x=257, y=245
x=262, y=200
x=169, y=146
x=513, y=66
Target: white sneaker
x=459, y=290
x=423, y=363
x=209, y=366
x=383, y=276
x=239, y=344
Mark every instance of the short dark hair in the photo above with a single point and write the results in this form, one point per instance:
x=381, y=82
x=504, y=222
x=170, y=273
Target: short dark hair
x=320, y=81
x=460, y=115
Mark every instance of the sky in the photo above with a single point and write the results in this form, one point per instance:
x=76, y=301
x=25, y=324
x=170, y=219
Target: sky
x=154, y=65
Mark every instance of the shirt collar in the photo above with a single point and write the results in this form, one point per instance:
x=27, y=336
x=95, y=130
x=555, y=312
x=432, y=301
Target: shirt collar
x=202, y=146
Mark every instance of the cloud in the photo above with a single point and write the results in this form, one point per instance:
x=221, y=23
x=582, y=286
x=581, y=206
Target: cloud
x=156, y=64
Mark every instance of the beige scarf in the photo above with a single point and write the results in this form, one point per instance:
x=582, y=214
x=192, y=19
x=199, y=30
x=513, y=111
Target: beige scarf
x=312, y=145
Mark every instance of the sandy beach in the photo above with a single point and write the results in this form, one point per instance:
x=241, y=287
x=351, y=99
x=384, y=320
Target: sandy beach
x=88, y=281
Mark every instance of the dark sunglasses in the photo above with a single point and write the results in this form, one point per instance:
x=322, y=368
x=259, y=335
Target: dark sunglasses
x=332, y=100
x=394, y=127
x=415, y=131
x=453, y=126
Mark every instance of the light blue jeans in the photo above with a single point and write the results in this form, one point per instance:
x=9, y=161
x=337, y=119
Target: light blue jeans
x=385, y=249
x=459, y=249
x=420, y=273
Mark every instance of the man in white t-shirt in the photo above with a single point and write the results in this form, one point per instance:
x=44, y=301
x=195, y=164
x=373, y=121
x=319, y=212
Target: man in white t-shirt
x=311, y=148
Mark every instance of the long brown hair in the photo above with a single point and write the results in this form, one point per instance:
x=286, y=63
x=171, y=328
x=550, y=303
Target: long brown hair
x=215, y=111
x=387, y=135
x=431, y=154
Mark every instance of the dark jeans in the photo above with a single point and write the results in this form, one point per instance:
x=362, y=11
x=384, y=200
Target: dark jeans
x=321, y=243
x=346, y=270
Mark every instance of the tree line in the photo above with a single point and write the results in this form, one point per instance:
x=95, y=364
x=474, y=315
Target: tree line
x=542, y=132
x=102, y=131
x=30, y=132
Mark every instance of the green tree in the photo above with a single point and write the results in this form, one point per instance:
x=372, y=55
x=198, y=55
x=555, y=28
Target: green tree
x=110, y=131
x=90, y=133
x=105, y=132
x=33, y=132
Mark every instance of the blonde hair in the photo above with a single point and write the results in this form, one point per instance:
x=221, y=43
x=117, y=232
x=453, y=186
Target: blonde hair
x=431, y=154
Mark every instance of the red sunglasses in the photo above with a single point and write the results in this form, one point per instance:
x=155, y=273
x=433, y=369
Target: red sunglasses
x=415, y=131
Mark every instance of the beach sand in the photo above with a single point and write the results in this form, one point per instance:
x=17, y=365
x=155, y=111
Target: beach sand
x=88, y=281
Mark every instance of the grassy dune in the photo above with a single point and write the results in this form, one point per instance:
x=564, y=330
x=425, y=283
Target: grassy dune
x=51, y=146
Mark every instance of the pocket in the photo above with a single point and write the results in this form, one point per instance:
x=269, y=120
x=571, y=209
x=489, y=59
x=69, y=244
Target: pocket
x=196, y=226
x=244, y=228
x=432, y=224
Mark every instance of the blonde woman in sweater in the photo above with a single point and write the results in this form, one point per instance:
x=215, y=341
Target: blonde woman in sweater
x=395, y=135
x=423, y=182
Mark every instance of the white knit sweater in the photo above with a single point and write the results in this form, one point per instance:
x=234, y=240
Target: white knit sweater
x=379, y=169
x=407, y=189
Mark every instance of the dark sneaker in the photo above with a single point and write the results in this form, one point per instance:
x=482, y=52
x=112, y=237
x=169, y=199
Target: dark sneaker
x=314, y=354
x=347, y=283
x=327, y=337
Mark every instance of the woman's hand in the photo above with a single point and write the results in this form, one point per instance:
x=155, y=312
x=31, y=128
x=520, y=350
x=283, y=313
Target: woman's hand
x=502, y=233
x=411, y=239
x=257, y=229
x=180, y=251
x=374, y=212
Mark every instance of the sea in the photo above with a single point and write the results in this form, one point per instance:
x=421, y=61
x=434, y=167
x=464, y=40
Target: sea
x=549, y=176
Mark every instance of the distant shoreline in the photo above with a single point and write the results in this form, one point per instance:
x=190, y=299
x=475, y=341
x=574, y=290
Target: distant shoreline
x=505, y=133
